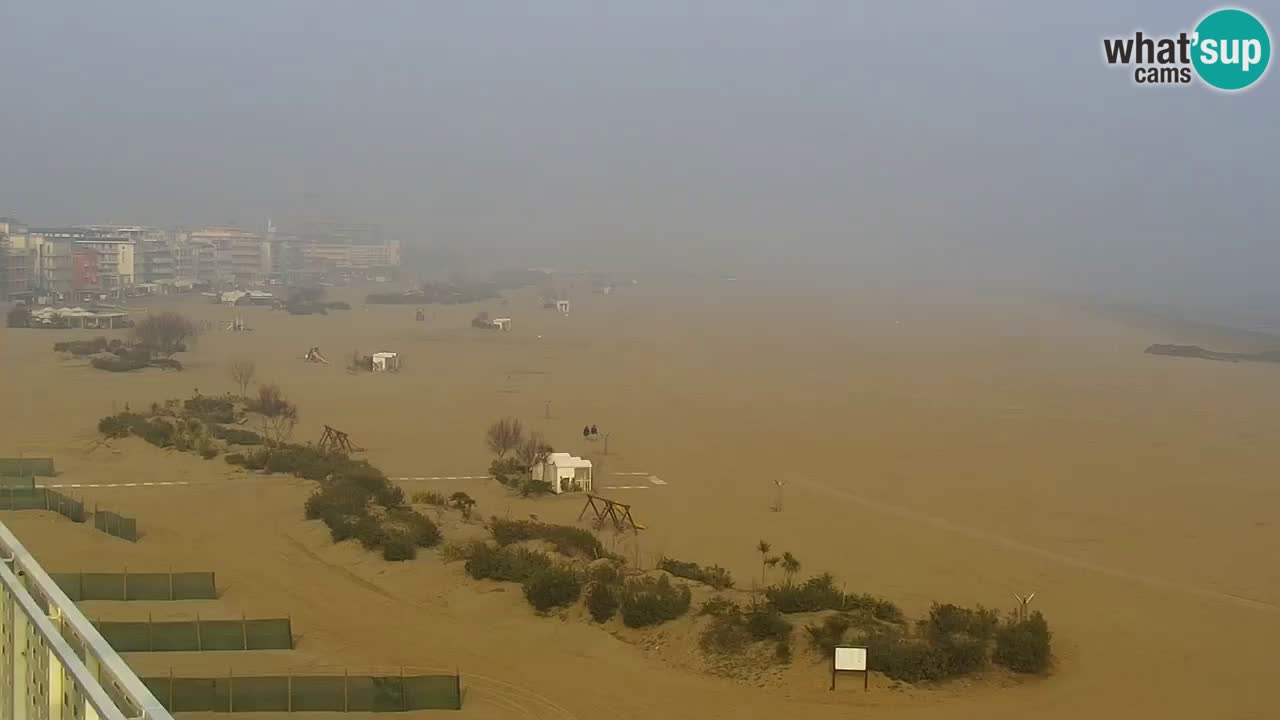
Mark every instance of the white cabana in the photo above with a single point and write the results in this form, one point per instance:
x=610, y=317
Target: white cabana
x=565, y=473
x=386, y=362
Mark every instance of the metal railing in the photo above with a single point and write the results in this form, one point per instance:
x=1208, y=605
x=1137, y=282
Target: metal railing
x=54, y=665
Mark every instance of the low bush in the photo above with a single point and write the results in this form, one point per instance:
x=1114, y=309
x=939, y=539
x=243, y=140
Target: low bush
x=828, y=634
x=371, y=533
x=336, y=500
x=430, y=497
x=652, y=601
x=906, y=659
x=568, y=540
x=81, y=348
x=551, y=588
x=399, y=547
x=119, y=364
x=602, y=601
x=820, y=593
x=605, y=570
x=454, y=551
x=533, y=488
x=209, y=452
x=120, y=425
x=235, y=436
x=732, y=626
x=234, y=458
x=508, y=472
x=715, y=576
x=1024, y=646
x=157, y=432
x=210, y=409
x=418, y=528
x=508, y=564
x=764, y=622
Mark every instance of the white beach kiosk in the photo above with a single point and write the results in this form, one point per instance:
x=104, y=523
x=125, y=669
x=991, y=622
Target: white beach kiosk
x=565, y=472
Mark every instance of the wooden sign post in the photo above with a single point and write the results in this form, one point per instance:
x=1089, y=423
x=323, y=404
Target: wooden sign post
x=850, y=658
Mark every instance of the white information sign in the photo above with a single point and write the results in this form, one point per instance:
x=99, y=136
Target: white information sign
x=852, y=659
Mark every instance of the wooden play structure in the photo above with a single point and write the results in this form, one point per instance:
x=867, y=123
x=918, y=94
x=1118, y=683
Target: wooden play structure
x=615, y=512
x=336, y=440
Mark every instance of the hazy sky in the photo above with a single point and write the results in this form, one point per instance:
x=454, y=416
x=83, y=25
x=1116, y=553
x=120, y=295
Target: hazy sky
x=986, y=139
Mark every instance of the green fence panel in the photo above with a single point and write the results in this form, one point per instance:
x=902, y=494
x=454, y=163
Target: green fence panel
x=322, y=693
x=68, y=507
x=69, y=583
x=22, y=467
x=275, y=634
x=201, y=695
x=174, y=636
x=127, y=636
x=221, y=635
x=147, y=586
x=102, y=586
x=17, y=481
x=374, y=693
x=310, y=693
x=118, y=525
x=160, y=688
x=260, y=694
x=23, y=499
x=433, y=692
x=194, y=586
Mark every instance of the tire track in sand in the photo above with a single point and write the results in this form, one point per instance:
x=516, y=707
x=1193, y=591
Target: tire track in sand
x=514, y=700
x=939, y=523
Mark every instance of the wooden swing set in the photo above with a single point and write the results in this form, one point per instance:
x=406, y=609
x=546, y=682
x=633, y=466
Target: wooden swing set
x=336, y=440
x=615, y=512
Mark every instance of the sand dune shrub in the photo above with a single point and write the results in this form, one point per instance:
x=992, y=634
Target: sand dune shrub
x=1024, y=646
x=210, y=409
x=602, y=601
x=552, y=587
x=398, y=547
x=652, y=601
x=116, y=363
x=508, y=563
x=430, y=497
x=713, y=575
x=235, y=436
x=820, y=593
x=80, y=348
x=418, y=528
x=568, y=540
x=120, y=425
x=733, y=626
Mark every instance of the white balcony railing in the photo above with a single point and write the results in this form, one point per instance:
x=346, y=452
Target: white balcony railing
x=54, y=665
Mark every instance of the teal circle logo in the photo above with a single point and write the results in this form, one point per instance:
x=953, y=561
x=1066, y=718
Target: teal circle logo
x=1231, y=49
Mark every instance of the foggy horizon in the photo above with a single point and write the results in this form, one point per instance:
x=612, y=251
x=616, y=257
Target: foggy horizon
x=986, y=145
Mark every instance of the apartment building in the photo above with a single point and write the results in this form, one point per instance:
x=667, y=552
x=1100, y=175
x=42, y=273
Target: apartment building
x=157, y=262
x=239, y=256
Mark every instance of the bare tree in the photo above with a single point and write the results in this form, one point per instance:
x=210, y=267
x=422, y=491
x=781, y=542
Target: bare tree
x=242, y=373
x=504, y=436
x=165, y=333
x=533, y=451
x=279, y=415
